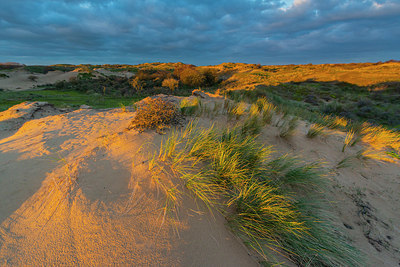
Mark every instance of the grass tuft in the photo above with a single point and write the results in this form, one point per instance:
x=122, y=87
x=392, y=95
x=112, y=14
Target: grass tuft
x=348, y=140
x=237, y=111
x=383, y=144
x=252, y=125
x=315, y=130
x=267, y=109
x=287, y=126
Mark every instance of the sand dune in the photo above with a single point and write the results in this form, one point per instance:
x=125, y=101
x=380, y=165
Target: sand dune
x=70, y=196
x=18, y=79
x=75, y=190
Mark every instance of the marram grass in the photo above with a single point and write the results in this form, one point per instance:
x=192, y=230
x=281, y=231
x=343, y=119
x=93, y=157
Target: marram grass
x=315, y=130
x=271, y=203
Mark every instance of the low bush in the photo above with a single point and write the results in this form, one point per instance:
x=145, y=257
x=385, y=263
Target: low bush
x=154, y=113
x=191, y=77
x=152, y=77
x=85, y=76
x=210, y=77
x=171, y=83
x=32, y=78
x=137, y=84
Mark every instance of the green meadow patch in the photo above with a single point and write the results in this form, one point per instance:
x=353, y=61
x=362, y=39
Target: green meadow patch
x=72, y=99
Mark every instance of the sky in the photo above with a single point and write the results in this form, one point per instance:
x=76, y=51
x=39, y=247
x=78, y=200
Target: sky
x=200, y=32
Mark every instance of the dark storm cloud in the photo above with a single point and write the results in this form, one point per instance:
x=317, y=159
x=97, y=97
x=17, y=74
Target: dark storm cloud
x=199, y=32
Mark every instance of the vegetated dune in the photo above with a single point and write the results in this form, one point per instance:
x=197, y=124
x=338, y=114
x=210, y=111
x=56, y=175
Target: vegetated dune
x=232, y=75
x=19, y=79
x=76, y=189
x=107, y=72
x=248, y=76
x=364, y=195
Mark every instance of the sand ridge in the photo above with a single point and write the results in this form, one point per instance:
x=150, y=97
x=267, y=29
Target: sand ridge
x=80, y=201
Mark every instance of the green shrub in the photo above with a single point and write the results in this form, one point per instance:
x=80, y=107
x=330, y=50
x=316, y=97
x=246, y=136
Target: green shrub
x=252, y=125
x=32, y=78
x=85, y=76
x=152, y=77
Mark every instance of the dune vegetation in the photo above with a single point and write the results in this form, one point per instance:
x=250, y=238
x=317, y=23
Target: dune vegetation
x=273, y=203
x=276, y=203
x=359, y=92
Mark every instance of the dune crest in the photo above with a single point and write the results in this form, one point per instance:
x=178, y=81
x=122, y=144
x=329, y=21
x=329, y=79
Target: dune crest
x=75, y=190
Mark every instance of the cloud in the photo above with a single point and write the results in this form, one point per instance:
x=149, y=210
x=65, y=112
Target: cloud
x=199, y=32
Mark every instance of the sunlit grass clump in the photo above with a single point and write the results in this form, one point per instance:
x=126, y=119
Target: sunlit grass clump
x=335, y=122
x=349, y=139
x=237, y=110
x=315, y=130
x=266, y=108
x=383, y=144
x=270, y=202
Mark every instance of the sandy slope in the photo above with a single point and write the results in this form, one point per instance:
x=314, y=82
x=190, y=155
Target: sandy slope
x=364, y=197
x=75, y=190
x=19, y=79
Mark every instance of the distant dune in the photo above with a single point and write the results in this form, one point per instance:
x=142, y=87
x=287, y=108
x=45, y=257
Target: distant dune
x=12, y=64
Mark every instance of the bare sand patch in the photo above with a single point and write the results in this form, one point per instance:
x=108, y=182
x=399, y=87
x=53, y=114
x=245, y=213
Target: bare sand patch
x=19, y=79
